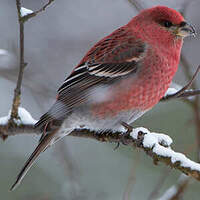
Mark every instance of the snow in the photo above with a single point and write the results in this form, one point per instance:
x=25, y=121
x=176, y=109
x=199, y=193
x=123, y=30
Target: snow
x=150, y=139
x=25, y=11
x=25, y=118
x=135, y=132
x=170, y=91
x=4, y=120
x=3, y=52
x=169, y=193
x=160, y=145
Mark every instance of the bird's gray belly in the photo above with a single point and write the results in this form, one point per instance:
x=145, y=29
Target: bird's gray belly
x=82, y=118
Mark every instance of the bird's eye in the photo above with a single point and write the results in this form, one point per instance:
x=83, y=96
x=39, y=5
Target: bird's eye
x=167, y=24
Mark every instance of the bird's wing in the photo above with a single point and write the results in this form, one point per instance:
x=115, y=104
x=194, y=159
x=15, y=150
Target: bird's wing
x=114, y=57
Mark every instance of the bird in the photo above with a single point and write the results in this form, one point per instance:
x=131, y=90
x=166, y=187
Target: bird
x=119, y=79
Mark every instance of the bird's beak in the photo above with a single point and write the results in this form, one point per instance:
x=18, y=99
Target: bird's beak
x=185, y=29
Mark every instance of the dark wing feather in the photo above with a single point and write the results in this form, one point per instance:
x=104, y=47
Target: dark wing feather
x=109, y=60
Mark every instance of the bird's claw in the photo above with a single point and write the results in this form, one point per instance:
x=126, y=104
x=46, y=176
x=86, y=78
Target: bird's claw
x=129, y=129
x=123, y=139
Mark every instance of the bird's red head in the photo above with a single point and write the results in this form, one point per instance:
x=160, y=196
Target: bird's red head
x=164, y=13
x=161, y=24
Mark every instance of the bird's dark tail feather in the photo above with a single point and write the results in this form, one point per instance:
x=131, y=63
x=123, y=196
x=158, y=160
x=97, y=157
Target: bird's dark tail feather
x=43, y=121
x=44, y=143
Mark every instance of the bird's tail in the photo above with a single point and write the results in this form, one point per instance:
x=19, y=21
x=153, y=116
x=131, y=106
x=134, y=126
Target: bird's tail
x=44, y=143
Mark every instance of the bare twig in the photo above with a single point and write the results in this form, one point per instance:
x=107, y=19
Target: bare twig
x=22, y=63
x=188, y=93
x=29, y=16
x=195, y=104
x=137, y=4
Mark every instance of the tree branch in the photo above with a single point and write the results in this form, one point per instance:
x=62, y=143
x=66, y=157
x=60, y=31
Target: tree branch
x=182, y=92
x=155, y=145
x=33, y=14
x=195, y=105
x=22, y=64
x=137, y=4
x=17, y=92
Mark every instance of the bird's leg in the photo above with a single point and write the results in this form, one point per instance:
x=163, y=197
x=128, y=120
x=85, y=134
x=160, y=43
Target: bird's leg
x=123, y=138
x=127, y=133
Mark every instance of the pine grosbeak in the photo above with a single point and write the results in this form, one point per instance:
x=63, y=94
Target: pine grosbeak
x=120, y=78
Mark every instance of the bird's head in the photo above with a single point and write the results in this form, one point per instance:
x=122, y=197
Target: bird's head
x=162, y=21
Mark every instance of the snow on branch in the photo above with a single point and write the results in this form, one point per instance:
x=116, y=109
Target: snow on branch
x=155, y=145
x=25, y=14
x=24, y=123
x=183, y=92
x=25, y=118
x=25, y=11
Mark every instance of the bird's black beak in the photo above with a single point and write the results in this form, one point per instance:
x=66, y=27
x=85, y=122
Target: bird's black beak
x=185, y=29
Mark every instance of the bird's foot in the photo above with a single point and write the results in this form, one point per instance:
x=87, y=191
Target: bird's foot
x=129, y=129
x=123, y=139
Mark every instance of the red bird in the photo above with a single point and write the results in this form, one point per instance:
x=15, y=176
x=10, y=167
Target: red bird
x=121, y=77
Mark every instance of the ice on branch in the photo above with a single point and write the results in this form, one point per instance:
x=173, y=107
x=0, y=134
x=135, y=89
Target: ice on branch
x=159, y=144
x=25, y=11
x=25, y=118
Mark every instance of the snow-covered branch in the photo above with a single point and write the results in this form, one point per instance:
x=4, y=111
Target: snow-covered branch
x=26, y=14
x=156, y=145
x=23, y=124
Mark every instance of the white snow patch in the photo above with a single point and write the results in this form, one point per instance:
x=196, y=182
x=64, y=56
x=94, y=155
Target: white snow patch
x=25, y=11
x=3, y=52
x=4, y=120
x=169, y=193
x=176, y=157
x=160, y=144
x=170, y=91
x=150, y=139
x=135, y=132
x=25, y=118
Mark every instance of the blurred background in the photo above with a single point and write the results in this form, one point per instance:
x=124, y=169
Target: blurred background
x=74, y=168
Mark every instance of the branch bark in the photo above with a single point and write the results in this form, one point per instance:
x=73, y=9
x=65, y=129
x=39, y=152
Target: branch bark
x=22, y=64
x=137, y=140
x=35, y=13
